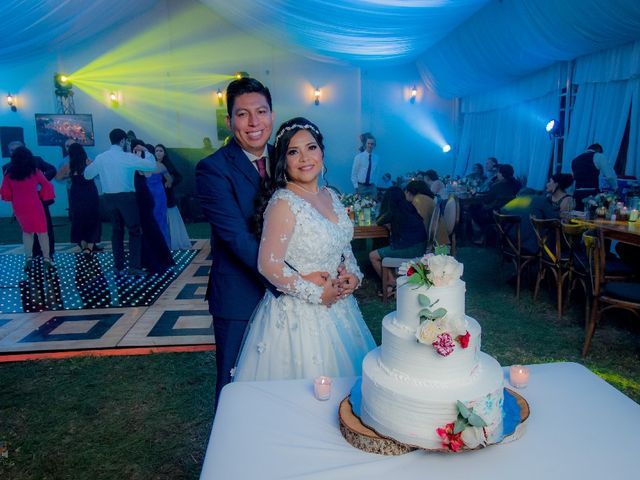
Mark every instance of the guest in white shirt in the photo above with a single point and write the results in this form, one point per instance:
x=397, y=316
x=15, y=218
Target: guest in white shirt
x=365, y=165
x=116, y=168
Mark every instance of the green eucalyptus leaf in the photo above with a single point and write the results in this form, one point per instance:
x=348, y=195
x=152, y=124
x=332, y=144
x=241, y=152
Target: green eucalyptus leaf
x=423, y=300
x=425, y=312
x=462, y=408
x=438, y=313
x=476, y=421
x=459, y=425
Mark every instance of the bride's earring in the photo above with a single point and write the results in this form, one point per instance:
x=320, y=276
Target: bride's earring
x=285, y=176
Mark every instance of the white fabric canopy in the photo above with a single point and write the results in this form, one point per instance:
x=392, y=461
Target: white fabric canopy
x=31, y=28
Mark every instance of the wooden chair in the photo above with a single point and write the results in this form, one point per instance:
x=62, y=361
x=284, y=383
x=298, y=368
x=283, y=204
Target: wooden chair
x=577, y=269
x=606, y=294
x=510, y=244
x=451, y=219
x=550, y=259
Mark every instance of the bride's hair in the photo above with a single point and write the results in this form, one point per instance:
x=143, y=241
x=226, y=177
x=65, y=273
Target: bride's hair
x=277, y=177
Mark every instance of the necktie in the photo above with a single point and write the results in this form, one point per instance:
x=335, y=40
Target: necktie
x=368, y=179
x=261, y=163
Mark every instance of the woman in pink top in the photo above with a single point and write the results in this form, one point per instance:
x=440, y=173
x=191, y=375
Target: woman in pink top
x=20, y=187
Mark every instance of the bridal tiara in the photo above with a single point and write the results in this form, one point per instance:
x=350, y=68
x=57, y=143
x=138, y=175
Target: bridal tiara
x=306, y=126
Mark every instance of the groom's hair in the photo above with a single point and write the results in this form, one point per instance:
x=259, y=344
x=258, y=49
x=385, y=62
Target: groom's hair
x=246, y=85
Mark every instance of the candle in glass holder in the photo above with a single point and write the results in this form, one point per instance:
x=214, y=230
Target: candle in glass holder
x=322, y=387
x=519, y=376
x=633, y=215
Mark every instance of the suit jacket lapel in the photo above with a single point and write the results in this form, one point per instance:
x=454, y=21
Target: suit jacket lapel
x=240, y=162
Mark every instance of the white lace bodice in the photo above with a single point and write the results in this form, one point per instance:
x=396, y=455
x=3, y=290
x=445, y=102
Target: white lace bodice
x=298, y=239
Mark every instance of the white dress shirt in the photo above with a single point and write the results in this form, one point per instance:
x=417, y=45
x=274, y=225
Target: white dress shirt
x=117, y=167
x=360, y=166
x=606, y=170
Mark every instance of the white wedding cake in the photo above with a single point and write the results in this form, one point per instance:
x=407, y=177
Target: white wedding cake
x=429, y=385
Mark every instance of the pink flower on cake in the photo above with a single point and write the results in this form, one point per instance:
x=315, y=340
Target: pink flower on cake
x=450, y=440
x=444, y=344
x=463, y=340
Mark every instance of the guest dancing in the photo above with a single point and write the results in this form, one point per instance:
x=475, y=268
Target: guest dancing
x=306, y=230
x=27, y=188
x=84, y=202
x=155, y=183
x=156, y=257
x=178, y=235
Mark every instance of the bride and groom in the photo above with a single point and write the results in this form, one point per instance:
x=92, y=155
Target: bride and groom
x=282, y=266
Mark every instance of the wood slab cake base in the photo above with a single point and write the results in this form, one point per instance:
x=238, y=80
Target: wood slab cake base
x=368, y=440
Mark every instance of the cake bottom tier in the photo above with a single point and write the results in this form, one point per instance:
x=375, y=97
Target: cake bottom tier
x=411, y=413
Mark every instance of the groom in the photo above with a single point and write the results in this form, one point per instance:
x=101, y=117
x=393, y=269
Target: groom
x=227, y=183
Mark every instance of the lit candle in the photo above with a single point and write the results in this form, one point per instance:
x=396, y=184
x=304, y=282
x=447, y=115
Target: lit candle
x=519, y=376
x=322, y=388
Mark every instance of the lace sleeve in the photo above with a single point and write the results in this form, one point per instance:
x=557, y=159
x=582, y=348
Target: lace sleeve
x=279, y=224
x=351, y=264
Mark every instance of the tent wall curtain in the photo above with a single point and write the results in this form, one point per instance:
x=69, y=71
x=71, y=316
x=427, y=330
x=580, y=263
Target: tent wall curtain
x=508, y=123
x=607, y=92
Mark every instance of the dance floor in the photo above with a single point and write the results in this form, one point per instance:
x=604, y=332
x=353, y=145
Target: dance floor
x=83, y=305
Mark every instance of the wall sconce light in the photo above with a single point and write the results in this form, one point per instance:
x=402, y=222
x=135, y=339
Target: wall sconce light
x=316, y=96
x=446, y=148
x=113, y=97
x=220, y=97
x=11, y=101
x=239, y=75
x=414, y=94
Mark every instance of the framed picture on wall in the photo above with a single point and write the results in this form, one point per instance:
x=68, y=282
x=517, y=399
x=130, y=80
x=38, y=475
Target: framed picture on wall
x=8, y=135
x=54, y=129
x=221, y=123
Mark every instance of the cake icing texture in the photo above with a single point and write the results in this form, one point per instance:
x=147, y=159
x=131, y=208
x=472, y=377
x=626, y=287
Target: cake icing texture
x=429, y=384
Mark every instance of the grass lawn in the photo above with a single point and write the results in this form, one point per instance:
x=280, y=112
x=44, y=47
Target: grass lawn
x=149, y=417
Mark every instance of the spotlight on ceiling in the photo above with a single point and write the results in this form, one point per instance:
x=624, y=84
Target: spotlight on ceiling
x=446, y=148
x=113, y=97
x=553, y=128
x=63, y=84
x=550, y=125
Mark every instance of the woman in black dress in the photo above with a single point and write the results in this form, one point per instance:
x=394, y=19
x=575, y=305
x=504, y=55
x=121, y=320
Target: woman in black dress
x=156, y=256
x=84, y=202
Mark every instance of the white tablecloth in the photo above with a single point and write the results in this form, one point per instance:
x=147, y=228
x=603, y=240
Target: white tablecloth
x=580, y=428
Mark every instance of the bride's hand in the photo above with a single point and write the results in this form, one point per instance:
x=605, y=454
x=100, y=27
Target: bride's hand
x=319, y=278
x=330, y=293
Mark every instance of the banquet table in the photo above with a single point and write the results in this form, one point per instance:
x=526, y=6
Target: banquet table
x=580, y=428
x=369, y=231
x=627, y=232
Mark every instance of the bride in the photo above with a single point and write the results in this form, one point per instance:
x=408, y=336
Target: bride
x=301, y=333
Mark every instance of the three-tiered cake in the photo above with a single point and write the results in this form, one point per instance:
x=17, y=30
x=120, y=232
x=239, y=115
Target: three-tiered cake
x=429, y=385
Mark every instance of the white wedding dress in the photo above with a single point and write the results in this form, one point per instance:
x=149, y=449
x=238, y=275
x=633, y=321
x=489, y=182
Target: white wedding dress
x=294, y=335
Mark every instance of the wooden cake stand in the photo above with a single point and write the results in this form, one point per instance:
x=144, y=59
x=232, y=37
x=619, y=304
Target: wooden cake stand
x=364, y=438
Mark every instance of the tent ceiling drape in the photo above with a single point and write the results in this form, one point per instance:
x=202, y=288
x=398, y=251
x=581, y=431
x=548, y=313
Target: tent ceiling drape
x=460, y=46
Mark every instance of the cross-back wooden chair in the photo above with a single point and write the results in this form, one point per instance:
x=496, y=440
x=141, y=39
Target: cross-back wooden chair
x=510, y=244
x=606, y=294
x=550, y=258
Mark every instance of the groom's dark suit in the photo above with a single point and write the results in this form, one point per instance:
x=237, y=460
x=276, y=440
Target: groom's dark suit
x=227, y=184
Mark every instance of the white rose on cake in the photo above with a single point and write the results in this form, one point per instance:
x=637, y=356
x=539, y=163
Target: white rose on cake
x=457, y=326
x=473, y=437
x=443, y=270
x=429, y=330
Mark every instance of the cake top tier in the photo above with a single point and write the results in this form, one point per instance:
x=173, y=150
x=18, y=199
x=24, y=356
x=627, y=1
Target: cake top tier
x=432, y=271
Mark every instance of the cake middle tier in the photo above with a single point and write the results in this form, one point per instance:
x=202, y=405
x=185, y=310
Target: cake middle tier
x=408, y=305
x=404, y=357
